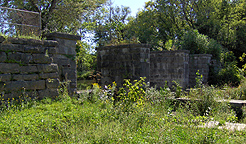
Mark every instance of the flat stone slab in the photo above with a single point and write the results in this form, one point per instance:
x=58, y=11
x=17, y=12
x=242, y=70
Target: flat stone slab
x=227, y=125
x=236, y=103
x=24, y=41
x=62, y=35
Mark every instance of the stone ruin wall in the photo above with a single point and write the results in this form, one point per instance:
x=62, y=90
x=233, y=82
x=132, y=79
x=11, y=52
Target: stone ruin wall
x=199, y=62
x=33, y=67
x=169, y=66
x=136, y=60
x=65, y=58
x=117, y=63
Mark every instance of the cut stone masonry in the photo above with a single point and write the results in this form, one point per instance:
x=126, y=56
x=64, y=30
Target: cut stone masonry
x=132, y=61
x=36, y=67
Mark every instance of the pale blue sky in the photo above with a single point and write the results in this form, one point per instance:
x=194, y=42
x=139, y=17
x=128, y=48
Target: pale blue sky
x=133, y=4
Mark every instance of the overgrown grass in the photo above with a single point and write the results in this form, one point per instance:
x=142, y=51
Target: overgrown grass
x=23, y=36
x=96, y=118
x=84, y=84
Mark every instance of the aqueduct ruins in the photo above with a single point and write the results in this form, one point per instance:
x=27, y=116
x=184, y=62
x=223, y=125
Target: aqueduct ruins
x=132, y=61
x=36, y=67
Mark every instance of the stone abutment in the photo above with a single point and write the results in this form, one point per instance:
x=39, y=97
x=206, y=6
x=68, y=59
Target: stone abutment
x=132, y=61
x=35, y=68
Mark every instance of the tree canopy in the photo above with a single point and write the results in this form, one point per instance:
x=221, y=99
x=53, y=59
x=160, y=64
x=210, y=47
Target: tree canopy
x=58, y=15
x=110, y=24
x=165, y=20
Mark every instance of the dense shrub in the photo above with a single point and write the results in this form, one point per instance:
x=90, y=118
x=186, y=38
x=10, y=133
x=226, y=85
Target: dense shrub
x=199, y=44
x=229, y=73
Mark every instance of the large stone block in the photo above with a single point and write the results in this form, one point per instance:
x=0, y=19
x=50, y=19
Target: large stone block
x=59, y=35
x=27, y=85
x=125, y=50
x=36, y=85
x=12, y=47
x=20, y=95
x=20, y=57
x=66, y=52
x=73, y=64
x=9, y=68
x=34, y=49
x=41, y=58
x=48, y=75
x=107, y=64
x=52, y=83
x=5, y=77
x=69, y=73
x=47, y=68
x=23, y=41
x=27, y=77
x=29, y=69
x=51, y=93
x=50, y=43
x=3, y=56
x=62, y=56
x=64, y=61
x=51, y=50
x=66, y=46
x=105, y=72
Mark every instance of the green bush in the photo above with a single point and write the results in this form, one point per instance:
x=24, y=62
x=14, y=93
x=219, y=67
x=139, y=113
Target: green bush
x=132, y=94
x=82, y=75
x=229, y=73
x=214, y=48
x=238, y=93
x=204, y=101
x=199, y=44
